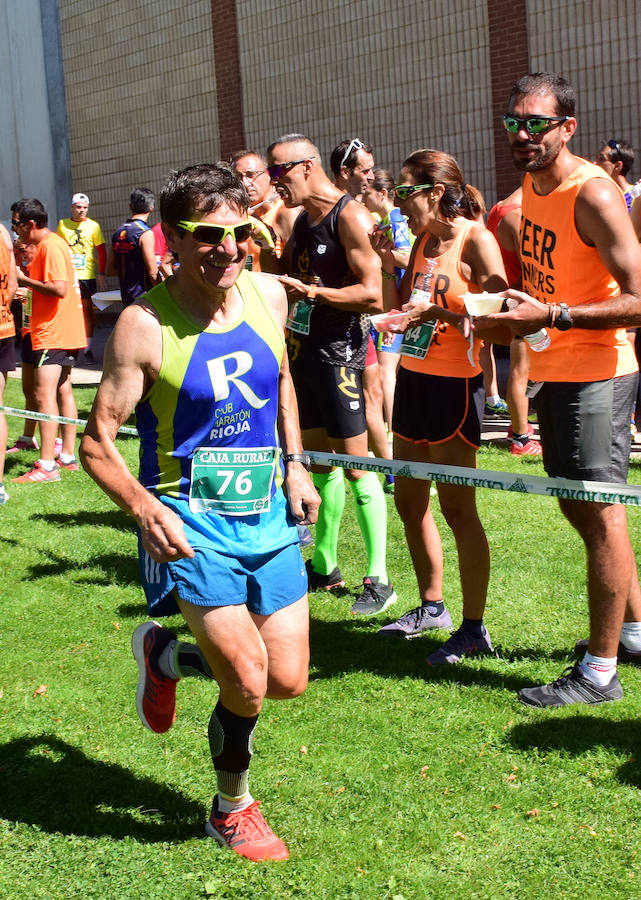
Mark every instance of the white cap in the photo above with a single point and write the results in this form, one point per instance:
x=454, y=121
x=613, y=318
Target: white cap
x=79, y=198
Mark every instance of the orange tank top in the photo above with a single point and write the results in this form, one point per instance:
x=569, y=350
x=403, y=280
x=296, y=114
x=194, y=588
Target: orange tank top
x=7, y=325
x=448, y=352
x=559, y=267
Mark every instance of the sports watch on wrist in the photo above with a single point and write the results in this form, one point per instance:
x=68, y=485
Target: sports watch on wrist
x=563, y=321
x=297, y=457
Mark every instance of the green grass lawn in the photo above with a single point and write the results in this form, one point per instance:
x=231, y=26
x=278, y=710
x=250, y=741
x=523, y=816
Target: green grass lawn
x=386, y=779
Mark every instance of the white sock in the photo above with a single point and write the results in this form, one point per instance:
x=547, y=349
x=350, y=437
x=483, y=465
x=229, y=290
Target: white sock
x=598, y=669
x=66, y=458
x=493, y=399
x=631, y=636
x=234, y=804
x=47, y=464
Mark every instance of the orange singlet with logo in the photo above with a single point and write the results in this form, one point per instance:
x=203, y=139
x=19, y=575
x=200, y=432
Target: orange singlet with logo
x=559, y=267
x=7, y=325
x=448, y=352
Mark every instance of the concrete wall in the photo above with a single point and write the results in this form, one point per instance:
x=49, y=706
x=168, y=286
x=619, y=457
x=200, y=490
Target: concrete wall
x=26, y=150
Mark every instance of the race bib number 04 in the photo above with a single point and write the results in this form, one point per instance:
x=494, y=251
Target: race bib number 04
x=416, y=341
x=232, y=482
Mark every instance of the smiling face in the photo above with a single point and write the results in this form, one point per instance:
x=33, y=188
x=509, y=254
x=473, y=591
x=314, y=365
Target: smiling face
x=418, y=208
x=211, y=267
x=531, y=153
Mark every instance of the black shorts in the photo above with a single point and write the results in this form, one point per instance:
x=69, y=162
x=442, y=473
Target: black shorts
x=330, y=397
x=585, y=428
x=432, y=409
x=7, y=354
x=87, y=288
x=51, y=357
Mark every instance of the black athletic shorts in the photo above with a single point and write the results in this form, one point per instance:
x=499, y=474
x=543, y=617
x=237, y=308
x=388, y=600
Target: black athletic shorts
x=50, y=357
x=87, y=288
x=7, y=354
x=431, y=409
x=330, y=397
x=585, y=428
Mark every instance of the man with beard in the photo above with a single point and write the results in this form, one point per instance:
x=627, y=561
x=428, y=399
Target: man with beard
x=581, y=268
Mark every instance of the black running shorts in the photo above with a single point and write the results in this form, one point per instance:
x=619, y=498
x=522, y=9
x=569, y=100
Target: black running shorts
x=330, y=397
x=432, y=409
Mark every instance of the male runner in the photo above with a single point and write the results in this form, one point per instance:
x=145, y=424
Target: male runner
x=582, y=273
x=616, y=158
x=84, y=236
x=202, y=359
x=352, y=164
x=132, y=255
x=57, y=335
x=337, y=280
x=266, y=205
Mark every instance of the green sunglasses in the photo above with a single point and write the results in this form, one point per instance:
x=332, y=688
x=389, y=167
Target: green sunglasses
x=209, y=233
x=403, y=191
x=533, y=124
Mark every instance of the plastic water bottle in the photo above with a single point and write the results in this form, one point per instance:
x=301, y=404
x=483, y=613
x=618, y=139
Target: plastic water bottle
x=538, y=341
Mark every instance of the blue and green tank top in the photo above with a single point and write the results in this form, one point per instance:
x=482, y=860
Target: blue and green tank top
x=217, y=388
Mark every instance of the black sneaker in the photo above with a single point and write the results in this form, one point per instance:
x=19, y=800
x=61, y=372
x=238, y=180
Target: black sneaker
x=416, y=621
x=623, y=654
x=374, y=598
x=318, y=582
x=572, y=687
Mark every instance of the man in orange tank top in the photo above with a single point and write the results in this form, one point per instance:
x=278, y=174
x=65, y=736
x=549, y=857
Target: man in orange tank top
x=581, y=267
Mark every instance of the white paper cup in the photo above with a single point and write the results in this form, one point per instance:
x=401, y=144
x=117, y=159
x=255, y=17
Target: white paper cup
x=483, y=304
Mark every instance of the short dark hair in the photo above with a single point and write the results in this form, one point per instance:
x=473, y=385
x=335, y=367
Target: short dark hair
x=141, y=200
x=547, y=83
x=291, y=138
x=623, y=153
x=31, y=210
x=241, y=154
x=336, y=159
x=201, y=189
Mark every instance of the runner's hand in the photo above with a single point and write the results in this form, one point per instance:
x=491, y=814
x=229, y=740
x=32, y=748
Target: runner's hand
x=303, y=497
x=293, y=285
x=163, y=535
x=526, y=315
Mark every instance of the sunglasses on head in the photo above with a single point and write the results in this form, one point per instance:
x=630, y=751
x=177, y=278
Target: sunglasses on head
x=403, y=191
x=277, y=170
x=209, y=233
x=533, y=124
x=353, y=145
x=614, y=145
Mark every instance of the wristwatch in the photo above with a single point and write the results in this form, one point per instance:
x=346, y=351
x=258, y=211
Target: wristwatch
x=563, y=322
x=298, y=457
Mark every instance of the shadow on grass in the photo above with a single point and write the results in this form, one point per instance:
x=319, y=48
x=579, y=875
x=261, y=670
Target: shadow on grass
x=577, y=734
x=112, y=518
x=54, y=786
x=347, y=646
x=116, y=567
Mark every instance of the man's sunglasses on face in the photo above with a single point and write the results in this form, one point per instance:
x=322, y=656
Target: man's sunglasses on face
x=533, y=125
x=277, y=170
x=209, y=233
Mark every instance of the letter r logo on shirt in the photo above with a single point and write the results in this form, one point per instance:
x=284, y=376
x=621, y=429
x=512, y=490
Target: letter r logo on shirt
x=221, y=378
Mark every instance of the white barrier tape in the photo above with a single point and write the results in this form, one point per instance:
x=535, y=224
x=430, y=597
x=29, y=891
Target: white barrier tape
x=563, y=488
x=62, y=420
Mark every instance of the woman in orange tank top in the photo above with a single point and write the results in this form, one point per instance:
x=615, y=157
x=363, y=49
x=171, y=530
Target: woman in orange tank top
x=438, y=405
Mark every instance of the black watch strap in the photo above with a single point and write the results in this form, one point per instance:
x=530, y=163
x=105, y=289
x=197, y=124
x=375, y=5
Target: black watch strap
x=563, y=321
x=297, y=457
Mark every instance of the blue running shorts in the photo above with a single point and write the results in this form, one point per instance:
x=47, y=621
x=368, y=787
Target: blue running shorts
x=254, y=560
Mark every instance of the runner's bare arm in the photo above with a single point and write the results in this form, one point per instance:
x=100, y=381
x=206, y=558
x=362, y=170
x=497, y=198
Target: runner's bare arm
x=365, y=295
x=12, y=284
x=132, y=360
x=303, y=498
x=148, y=250
x=602, y=222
